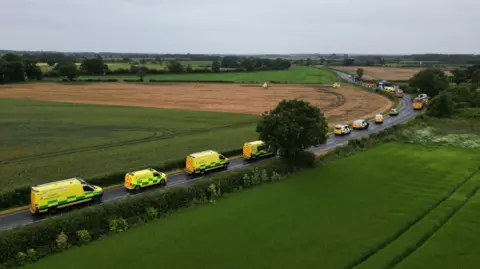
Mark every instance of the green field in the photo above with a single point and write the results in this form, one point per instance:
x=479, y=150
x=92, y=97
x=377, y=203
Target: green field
x=47, y=141
x=162, y=66
x=293, y=75
x=327, y=217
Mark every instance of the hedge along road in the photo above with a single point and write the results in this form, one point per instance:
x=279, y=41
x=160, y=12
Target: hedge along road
x=24, y=217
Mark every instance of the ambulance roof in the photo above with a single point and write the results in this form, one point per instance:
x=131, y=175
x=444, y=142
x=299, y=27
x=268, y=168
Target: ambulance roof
x=142, y=172
x=258, y=142
x=202, y=153
x=358, y=121
x=58, y=184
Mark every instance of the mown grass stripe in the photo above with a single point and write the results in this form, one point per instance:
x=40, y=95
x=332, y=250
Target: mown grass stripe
x=402, y=231
x=405, y=254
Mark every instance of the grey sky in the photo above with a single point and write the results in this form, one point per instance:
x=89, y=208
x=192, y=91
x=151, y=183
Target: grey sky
x=246, y=26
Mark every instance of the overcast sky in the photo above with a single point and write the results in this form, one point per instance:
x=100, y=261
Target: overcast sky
x=244, y=27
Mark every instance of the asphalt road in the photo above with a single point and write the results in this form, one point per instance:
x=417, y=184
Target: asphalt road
x=24, y=217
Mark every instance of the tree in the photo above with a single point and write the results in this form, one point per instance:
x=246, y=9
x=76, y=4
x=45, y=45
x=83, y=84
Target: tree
x=32, y=70
x=430, y=81
x=189, y=68
x=459, y=76
x=68, y=69
x=175, y=67
x=476, y=77
x=94, y=66
x=216, y=66
x=441, y=106
x=293, y=126
x=360, y=72
x=140, y=71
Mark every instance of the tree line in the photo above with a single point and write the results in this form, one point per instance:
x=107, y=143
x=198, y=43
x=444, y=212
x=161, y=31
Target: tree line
x=15, y=68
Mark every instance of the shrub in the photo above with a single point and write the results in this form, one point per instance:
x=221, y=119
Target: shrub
x=151, y=212
x=83, y=237
x=32, y=255
x=62, y=241
x=21, y=258
x=118, y=225
x=304, y=159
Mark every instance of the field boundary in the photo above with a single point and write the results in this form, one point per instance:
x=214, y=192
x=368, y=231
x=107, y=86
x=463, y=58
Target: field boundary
x=409, y=225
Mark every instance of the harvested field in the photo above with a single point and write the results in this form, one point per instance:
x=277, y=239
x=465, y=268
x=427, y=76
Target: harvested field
x=339, y=105
x=388, y=73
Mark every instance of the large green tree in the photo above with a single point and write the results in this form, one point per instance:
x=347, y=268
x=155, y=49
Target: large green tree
x=430, y=81
x=292, y=127
x=442, y=105
x=459, y=76
x=94, y=66
x=360, y=72
x=68, y=69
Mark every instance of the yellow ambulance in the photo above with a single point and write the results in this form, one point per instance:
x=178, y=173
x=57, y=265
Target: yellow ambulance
x=63, y=193
x=201, y=162
x=379, y=118
x=256, y=149
x=144, y=178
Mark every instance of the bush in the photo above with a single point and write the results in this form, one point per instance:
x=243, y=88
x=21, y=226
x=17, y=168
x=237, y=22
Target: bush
x=32, y=255
x=62, y=241
x=118, y=225
x=83, y=237
x=305, y=159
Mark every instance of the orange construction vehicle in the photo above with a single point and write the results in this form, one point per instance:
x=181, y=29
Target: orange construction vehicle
x=418, y=103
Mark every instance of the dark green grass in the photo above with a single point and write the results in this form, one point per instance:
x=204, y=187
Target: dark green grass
x=294, y=75
x=455, y=245
x=326, y=217
x=46, y=141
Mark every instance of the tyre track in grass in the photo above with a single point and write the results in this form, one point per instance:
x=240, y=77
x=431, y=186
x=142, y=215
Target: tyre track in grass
x=409, y=251
x=367, y=255
x=151, y=138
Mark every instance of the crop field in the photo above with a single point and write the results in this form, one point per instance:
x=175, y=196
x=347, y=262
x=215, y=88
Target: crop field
x=339, y=105
x=293, y=75
x=387, y=73
x=46, y=141
x=327, y=217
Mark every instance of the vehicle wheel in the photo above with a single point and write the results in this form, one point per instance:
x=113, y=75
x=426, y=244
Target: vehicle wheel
x=225, y=166
x=52, y=210
x=137, y=188
x=202, y=172
x=163, y=182
x=96, y=199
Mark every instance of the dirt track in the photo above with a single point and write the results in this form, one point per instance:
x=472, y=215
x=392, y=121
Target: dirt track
x=388, y=73
x=338, y=105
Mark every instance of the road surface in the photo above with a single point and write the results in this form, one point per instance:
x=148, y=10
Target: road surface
x=24, y=217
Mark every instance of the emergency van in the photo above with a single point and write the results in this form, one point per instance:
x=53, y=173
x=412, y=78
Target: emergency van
x=63, y=193
x=256, y=149
x=379, y=118
x=201, y=162
x=360, y=125
x=144, y=178
x=342, y=129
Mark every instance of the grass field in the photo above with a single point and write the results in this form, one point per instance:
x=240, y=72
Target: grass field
x=328, y=217
x=114, y=66
x=294, y=75
x=46, y=141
